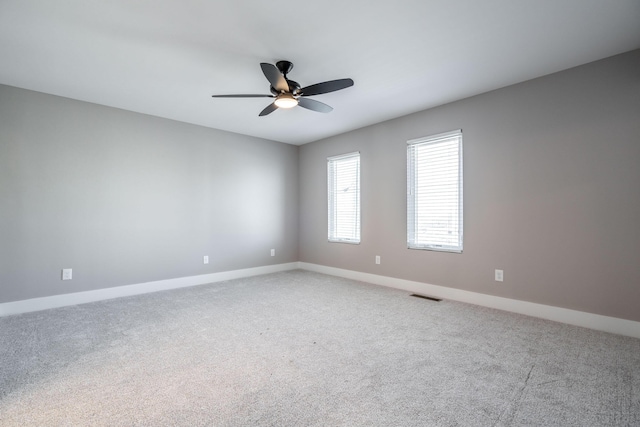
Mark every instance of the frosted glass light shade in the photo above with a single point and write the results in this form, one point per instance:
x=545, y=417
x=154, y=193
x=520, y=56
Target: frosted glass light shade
x=286, y=100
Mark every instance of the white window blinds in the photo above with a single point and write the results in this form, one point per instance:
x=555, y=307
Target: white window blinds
x=434, y=192
x=343, y=179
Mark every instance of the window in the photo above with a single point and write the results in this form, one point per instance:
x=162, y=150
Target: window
x=343, y=178
x=434, y=192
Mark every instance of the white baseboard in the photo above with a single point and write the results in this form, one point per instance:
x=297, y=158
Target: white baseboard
x=558, y=314
x=55, y=301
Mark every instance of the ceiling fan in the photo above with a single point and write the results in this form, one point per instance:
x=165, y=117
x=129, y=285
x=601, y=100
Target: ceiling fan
x=288, y=93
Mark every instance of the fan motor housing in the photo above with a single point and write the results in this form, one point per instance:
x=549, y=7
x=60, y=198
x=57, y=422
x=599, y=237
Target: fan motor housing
x=294, y=87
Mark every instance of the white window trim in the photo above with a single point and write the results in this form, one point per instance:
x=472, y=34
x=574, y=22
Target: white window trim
x=411, y=197
x=330, y=204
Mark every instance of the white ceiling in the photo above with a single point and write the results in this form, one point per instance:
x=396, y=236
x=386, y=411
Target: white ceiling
x=167, y=57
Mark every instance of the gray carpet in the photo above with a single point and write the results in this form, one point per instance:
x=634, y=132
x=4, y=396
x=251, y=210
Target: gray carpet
x=304, y=349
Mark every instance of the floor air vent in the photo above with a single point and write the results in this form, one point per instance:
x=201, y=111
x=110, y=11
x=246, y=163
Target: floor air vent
x=425, y=297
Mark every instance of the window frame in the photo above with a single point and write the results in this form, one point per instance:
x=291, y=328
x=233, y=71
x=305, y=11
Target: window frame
x=332, y=232
x=412, y=196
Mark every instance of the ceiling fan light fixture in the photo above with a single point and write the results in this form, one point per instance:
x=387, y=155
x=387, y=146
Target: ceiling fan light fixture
x=286, y=100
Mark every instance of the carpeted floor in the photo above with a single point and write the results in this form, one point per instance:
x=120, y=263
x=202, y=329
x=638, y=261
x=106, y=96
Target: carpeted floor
x=304, y=349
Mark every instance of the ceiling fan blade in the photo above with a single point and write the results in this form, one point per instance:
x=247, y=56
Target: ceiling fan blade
x=326, y=87
x=275, y=77
x=268, y=110
x=242, y=96
x=312, y=104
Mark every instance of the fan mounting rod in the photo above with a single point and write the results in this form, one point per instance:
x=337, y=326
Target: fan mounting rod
x=285, y=67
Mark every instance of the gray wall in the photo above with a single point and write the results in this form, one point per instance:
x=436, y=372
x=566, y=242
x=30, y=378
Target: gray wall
x=551, y=192
x=126, y=198
x=552, y=195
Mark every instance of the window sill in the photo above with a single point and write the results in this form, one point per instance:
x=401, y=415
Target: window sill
x=350, y=242
x=431, y=248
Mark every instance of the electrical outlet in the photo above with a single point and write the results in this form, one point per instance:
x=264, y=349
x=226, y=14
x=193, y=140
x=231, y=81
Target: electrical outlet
x=377, y=259
x=67, y=274
x=273, y=252
x=205, y=259
x=499, y=276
